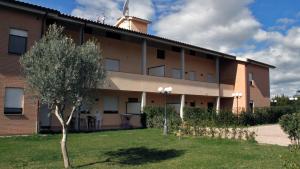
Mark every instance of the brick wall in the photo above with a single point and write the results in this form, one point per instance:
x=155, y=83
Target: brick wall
x=10, y=75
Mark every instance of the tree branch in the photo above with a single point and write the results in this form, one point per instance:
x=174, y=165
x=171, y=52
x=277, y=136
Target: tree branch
x=60, y=119
x=71, y=115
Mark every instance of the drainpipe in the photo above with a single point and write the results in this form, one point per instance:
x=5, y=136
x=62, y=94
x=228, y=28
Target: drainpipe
x=44, y=24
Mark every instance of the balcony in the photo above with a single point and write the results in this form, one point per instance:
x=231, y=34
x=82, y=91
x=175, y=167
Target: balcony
x=137, y=82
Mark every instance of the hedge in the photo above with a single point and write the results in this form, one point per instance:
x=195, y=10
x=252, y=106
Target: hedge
x=154, y=117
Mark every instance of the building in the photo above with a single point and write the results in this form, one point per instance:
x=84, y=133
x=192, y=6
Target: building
x=137, y=64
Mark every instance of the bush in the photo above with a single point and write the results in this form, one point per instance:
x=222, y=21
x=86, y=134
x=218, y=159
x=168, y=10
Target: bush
x=201, y=116
x=154, y=117
x=290, y=124
x=267, y=115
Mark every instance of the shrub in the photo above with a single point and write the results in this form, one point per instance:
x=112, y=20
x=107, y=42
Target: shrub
x=154, y=117
x=290, y=124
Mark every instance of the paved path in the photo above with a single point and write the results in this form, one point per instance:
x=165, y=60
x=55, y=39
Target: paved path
x=271, y=134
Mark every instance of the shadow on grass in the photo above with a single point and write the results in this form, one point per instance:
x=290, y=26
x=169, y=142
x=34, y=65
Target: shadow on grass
x=138, y=156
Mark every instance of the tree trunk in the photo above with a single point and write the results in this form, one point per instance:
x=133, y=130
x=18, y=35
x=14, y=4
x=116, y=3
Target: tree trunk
x=64, y=149
x=63, y=142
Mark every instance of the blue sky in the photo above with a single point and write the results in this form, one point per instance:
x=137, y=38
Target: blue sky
x=265, y=30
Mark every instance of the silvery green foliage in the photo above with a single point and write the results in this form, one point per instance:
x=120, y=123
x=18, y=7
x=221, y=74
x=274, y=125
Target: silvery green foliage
x=61, y=72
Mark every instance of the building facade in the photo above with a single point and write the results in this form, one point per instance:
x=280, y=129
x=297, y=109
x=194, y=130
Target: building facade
x=137, y=65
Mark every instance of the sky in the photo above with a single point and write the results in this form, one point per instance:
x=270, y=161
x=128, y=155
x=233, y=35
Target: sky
x=264, y=30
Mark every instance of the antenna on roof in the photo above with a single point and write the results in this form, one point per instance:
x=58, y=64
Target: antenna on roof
x=101, y=19
x=126, y=8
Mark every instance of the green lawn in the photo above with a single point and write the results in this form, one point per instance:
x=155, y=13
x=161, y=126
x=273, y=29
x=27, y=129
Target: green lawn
x=137, y=149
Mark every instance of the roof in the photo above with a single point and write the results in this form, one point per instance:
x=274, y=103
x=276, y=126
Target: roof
x=55, y=13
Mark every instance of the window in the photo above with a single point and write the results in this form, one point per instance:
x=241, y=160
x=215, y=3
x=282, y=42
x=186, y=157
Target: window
x=157, y=71
x=192, y=75
x=250, y=76
x=110, y=104
x=176, y=73
x=193, y=104
x=14, y=98
x=133, y=100
x=17, y=41
x=251, y=79
x=133, y=108
x=112, y=65
x=210, y=78
x=251, y=106
x=160, y=54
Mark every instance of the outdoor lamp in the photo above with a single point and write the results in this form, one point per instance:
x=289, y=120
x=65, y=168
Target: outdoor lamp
x=165, y=91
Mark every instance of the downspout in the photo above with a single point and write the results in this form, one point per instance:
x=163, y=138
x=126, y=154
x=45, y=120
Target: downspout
x=38, y=101
x=44, y=24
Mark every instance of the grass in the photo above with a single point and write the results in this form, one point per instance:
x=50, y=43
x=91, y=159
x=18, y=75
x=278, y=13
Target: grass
x=145, y=148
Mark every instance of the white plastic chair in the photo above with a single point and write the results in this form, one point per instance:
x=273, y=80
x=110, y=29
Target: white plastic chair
x=98, y=120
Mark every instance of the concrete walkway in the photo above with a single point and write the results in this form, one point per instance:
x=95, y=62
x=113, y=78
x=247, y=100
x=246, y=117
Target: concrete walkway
x=271, y=134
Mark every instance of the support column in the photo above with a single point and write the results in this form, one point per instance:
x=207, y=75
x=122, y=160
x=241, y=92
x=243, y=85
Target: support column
x=218, y=82
x=182, y=56
x=81, y=35
x=218, y=104
x=143, y=101
x=144, y=57
x=182, y=104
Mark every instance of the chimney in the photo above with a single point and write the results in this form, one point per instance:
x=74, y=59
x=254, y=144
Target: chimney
x=133, y=23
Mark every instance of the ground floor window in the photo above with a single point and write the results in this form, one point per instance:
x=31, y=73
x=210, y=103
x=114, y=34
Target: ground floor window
x=14, y=100
x=251, y=106
x=111, y=104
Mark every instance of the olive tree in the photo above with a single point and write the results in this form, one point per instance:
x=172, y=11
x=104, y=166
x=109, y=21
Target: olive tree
x=61, y=74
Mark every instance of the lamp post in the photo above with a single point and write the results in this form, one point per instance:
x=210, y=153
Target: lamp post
x=237, y=95
x=274, y=102
x=165, y=91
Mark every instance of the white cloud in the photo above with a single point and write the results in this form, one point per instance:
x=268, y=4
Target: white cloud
x=220, y=25
x=286, y=21
x=284, y=53
x=112, y=9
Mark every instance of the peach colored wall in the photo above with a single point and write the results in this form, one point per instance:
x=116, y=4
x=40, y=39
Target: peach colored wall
x=241, y=86
x=260, y=91
x=110, y=120
x=228, y=72
x=139, y=26
x=10, y=71
x=202, y=66
x=172, y=60
x=201, y=101
x=129, y=54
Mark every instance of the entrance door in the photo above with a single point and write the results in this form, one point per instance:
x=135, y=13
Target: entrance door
x=210, y=106
x=44, y=116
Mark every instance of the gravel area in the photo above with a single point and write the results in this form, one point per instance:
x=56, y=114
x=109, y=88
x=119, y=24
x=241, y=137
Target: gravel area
x=271, y=134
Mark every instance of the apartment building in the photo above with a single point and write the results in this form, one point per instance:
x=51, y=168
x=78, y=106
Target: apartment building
x=137, y=65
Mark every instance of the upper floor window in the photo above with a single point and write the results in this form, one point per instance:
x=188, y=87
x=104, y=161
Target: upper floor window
x=176, y=73
x=210, y=78
x=251, y=78
x=112, y=65
x=157, y=71
x=17, y=41
x=192, y=75
x=160, y=54
x=13, y=103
